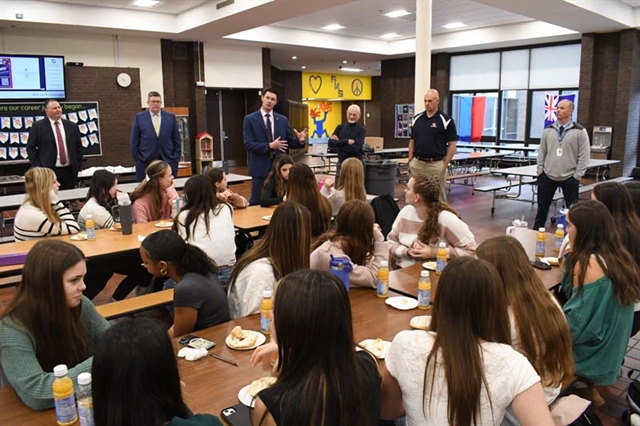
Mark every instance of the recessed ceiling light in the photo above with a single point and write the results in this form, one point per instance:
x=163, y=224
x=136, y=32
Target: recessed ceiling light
x=303, y=67
x=454, y=25
x=294, y=57
x=397, y=13
x=145, y=3
x=390, y=35
x=347, y=69
x=345, y=62
x=332, y=27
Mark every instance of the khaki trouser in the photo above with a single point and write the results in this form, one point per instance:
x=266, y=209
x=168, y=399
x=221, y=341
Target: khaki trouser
x=434, y=168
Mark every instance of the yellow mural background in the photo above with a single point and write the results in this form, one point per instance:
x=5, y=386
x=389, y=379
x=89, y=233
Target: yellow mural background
x=336, y=86
x=320, y=133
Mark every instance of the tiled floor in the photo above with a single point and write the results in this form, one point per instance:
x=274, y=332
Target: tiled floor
x=476, y=212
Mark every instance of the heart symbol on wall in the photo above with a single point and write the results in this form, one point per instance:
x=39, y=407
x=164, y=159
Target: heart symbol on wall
x=315, y=82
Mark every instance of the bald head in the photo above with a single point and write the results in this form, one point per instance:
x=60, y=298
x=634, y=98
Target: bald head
x=431, y=101
x=564, y=111
x=353, y=113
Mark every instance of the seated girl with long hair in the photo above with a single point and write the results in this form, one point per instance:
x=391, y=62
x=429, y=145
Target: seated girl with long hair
x=100, y=198
x=207, y=223
x=350, y=185
x=539, y=329
x=223, y=193
x=42, y=214
x=424, y=222
x=332, y=383
x=283, y=249
x=136, y=380
x=152, y=199
x=199, y=299
x=463, y=370
x=275, y=184
x=303, y=189
x=48, y=322
x=356, y=237
x=602, y=283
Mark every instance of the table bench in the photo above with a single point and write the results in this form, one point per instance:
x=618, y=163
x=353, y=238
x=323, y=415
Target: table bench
x=135, y=304
x=504, y=188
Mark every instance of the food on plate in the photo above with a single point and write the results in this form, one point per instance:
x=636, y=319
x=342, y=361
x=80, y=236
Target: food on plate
x=376, y=347
x=240, y=338
x=164, y=223
x=258, y=385
x=421, y=322
x=429, y=265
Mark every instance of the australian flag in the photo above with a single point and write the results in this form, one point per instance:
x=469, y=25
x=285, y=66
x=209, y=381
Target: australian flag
x=551, y=106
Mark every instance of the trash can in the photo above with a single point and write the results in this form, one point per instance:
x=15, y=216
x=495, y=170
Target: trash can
x=380, y=177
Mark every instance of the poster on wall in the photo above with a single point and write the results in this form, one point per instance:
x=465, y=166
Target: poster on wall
x=324, y=117
x=404, y=116
x=16, y=120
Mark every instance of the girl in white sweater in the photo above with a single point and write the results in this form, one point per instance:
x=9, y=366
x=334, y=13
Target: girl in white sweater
x=42, y=214
x=100, y=199
x=207, y=223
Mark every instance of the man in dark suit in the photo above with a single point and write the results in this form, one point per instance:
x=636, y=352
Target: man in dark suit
x=55, y=143
x=267, y=134
x=155, y=136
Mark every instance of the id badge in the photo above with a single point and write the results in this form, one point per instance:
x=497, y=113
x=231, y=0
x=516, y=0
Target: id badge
x=559, y=152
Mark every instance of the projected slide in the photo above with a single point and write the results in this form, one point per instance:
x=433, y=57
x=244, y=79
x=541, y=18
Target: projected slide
x=31, y=77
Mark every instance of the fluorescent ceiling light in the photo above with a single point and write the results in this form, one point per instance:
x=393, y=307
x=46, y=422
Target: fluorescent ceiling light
x=294, y=57
x=454, y=25
x=332, y=27
x=347, y=69
x=303, y=67
x=146, y=3
x=344, y=62
x=397, y=13
x=390, y=35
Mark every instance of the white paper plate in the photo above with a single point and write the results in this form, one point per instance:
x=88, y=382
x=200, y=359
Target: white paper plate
x=429, y=265
x=416, y=322
x=82, y=236
x=267, y=217
x=402, y=303
x=259, y=341
x=385, y=348
x=164, y=224
x=245, y=397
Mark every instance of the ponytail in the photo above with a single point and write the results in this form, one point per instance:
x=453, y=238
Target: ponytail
x=196, y=261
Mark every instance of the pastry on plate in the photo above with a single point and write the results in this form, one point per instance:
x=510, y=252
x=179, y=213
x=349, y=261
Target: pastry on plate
x=258, y=385
x=421, y=322
x=376, y=347
x=240, y=338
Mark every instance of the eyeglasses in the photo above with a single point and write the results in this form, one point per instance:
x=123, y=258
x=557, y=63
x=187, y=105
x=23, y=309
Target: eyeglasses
x=155, y=102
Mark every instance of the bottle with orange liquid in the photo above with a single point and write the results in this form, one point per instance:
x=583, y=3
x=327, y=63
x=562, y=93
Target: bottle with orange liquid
x=383, y=280
x=266, y=308
x=441, y=257
x=63, y=396
x=541, y=243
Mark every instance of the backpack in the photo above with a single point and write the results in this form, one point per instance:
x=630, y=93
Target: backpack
x=385, y=210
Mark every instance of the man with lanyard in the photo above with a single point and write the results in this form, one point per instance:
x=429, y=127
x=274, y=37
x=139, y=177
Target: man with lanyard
x=433, y=141
x=562, y=161
x=348, y=138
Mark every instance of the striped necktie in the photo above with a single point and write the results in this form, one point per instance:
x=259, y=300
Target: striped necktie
x=156, y=124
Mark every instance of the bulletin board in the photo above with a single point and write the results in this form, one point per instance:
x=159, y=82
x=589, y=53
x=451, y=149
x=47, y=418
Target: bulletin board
x=404, y=116
x=16, y=120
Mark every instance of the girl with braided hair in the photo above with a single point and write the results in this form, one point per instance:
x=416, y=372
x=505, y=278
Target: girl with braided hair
x=424, y=222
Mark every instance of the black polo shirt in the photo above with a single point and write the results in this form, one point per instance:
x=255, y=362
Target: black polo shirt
x=430, y=135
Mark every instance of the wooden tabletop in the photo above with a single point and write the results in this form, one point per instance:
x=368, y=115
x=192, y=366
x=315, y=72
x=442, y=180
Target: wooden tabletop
x=252, y=218
x=211, y=384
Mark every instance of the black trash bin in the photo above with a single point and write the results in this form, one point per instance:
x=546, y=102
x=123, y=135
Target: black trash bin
x=380, y=177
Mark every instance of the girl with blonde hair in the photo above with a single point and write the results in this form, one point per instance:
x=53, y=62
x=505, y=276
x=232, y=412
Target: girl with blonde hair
x=303, y=189
x=350, y=185
x=152, y=199
x=42, y=214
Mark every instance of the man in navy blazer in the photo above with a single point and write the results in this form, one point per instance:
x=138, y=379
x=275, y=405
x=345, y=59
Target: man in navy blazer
x=55, y=143
x=155, y=136
x=267, y=134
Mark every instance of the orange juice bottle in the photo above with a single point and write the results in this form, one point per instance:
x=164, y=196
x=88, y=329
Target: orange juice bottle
x=424, y=291
x=266, y=309
x=63, y=396
x=541, y=243
x=90, y=226
x=441, y=258
x=557, y=243
x=383, y=280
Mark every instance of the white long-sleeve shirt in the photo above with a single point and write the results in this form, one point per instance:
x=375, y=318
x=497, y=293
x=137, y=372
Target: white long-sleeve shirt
x=31, y=222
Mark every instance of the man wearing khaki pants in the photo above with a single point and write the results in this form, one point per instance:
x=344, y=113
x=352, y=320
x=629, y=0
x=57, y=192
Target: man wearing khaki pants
x=433, y=141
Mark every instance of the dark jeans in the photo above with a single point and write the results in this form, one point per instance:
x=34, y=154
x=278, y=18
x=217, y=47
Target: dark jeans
x=546, y=189
x=256, y=190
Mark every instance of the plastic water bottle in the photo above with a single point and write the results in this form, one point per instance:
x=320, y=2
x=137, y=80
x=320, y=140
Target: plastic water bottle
x=90, y=225
x=424, y=290
x=383, y=280
x=441, y=258
x=557, y=243
x=541, y=243
x=266, y=308
x=63, y=398
x=85, y=401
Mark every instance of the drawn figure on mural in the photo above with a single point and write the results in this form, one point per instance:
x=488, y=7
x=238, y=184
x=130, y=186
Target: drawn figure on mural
x=320, y=131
